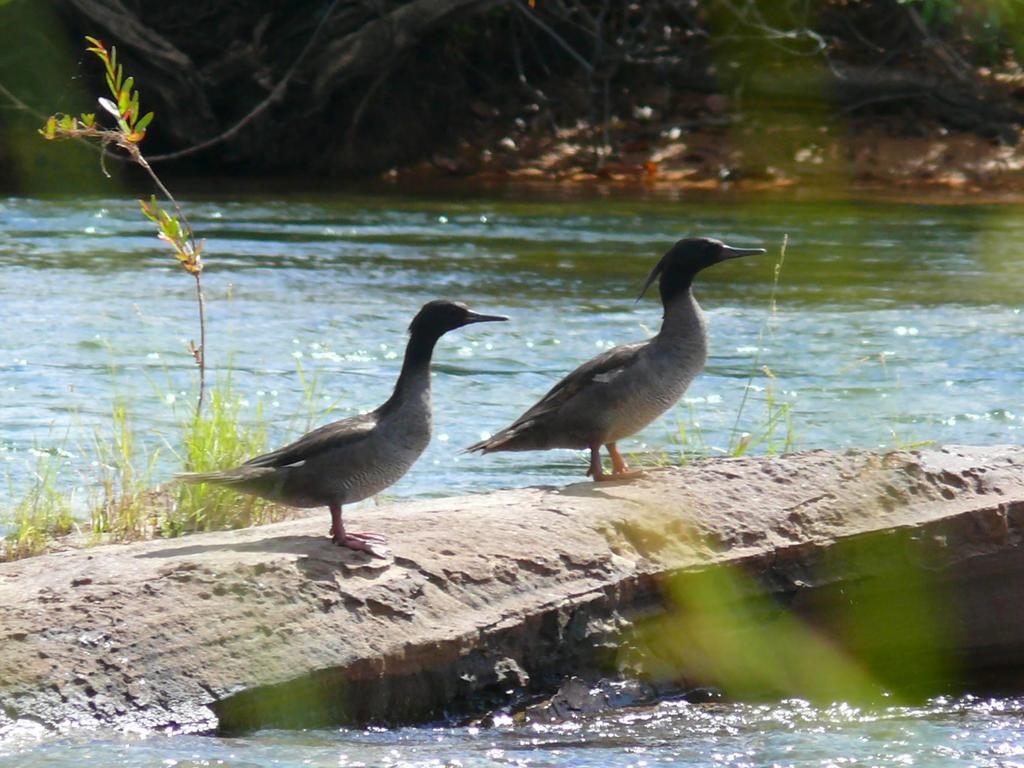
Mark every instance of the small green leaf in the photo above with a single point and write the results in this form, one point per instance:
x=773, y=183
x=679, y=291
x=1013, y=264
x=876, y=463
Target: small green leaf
x=88, y=119
x=51, y=127
x=146, y=210
x=144, y=122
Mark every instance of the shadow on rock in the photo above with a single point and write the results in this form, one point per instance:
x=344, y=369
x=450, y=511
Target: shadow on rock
x=311, y=547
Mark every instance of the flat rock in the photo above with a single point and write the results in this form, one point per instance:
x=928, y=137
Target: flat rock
x=488, y=595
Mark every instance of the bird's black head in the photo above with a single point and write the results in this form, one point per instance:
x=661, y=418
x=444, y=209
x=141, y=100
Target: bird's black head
x=438, y=317
x=685, y=259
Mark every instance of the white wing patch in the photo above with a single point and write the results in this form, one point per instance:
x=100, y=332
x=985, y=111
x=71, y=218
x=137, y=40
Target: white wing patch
x=607, y=376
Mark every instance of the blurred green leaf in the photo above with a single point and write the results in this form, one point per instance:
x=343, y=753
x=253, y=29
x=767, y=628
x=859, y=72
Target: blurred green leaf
x=147, y=211
x=144, y=122
x=722, y=628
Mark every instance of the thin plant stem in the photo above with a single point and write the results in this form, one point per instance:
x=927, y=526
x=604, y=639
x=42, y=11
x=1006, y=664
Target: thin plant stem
x=760, y=339
x=137, y=156
x=200, y=353
x=131, y=129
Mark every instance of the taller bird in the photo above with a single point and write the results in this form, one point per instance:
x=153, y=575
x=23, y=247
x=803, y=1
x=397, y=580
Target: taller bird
x=349, y=460
x=621, y=391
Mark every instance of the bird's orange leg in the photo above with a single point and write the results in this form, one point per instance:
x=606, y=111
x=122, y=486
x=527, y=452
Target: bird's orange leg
x=620, y=469
x=359, y=541
x=619, y=465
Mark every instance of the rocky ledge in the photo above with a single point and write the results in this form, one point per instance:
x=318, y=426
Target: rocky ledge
x=792, y=575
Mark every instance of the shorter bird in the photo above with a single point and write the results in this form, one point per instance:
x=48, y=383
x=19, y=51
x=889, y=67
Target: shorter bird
x=349, y=460
x=621, y=391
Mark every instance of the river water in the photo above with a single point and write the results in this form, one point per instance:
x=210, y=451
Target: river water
x=893, y=324
x=793, y=733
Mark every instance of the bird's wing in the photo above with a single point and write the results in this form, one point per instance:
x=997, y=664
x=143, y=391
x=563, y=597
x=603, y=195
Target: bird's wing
x=600, y=370
x=328, y=437
x=597, y=370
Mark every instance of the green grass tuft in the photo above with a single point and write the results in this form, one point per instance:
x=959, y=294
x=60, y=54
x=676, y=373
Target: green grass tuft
x=218, y=440
x=124, y=505
x=43, y=513
x=123, y=511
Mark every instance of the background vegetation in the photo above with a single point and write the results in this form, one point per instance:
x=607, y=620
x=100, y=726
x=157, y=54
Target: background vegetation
x=331, y=87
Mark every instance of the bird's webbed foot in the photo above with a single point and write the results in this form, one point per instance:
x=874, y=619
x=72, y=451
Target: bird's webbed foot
x=359, y=541
x=362, y=541
x=620, y=469
x=618, y=477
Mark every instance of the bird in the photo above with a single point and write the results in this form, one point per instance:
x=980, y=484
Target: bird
x=349, y=460
x=622, y=390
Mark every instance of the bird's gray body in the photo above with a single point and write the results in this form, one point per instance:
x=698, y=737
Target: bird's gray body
x=617, y=393
x=352, y=459
x=342, y=462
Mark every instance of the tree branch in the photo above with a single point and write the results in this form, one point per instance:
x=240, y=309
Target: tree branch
x=276, y=94
x=188, y=91
x=381, y=39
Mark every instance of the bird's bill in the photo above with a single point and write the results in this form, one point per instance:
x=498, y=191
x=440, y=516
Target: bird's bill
x=476, y=317
x=728, y=252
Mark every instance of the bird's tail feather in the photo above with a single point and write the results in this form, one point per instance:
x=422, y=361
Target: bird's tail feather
x=492, y=443
x=224, y=477
x=480, y=447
